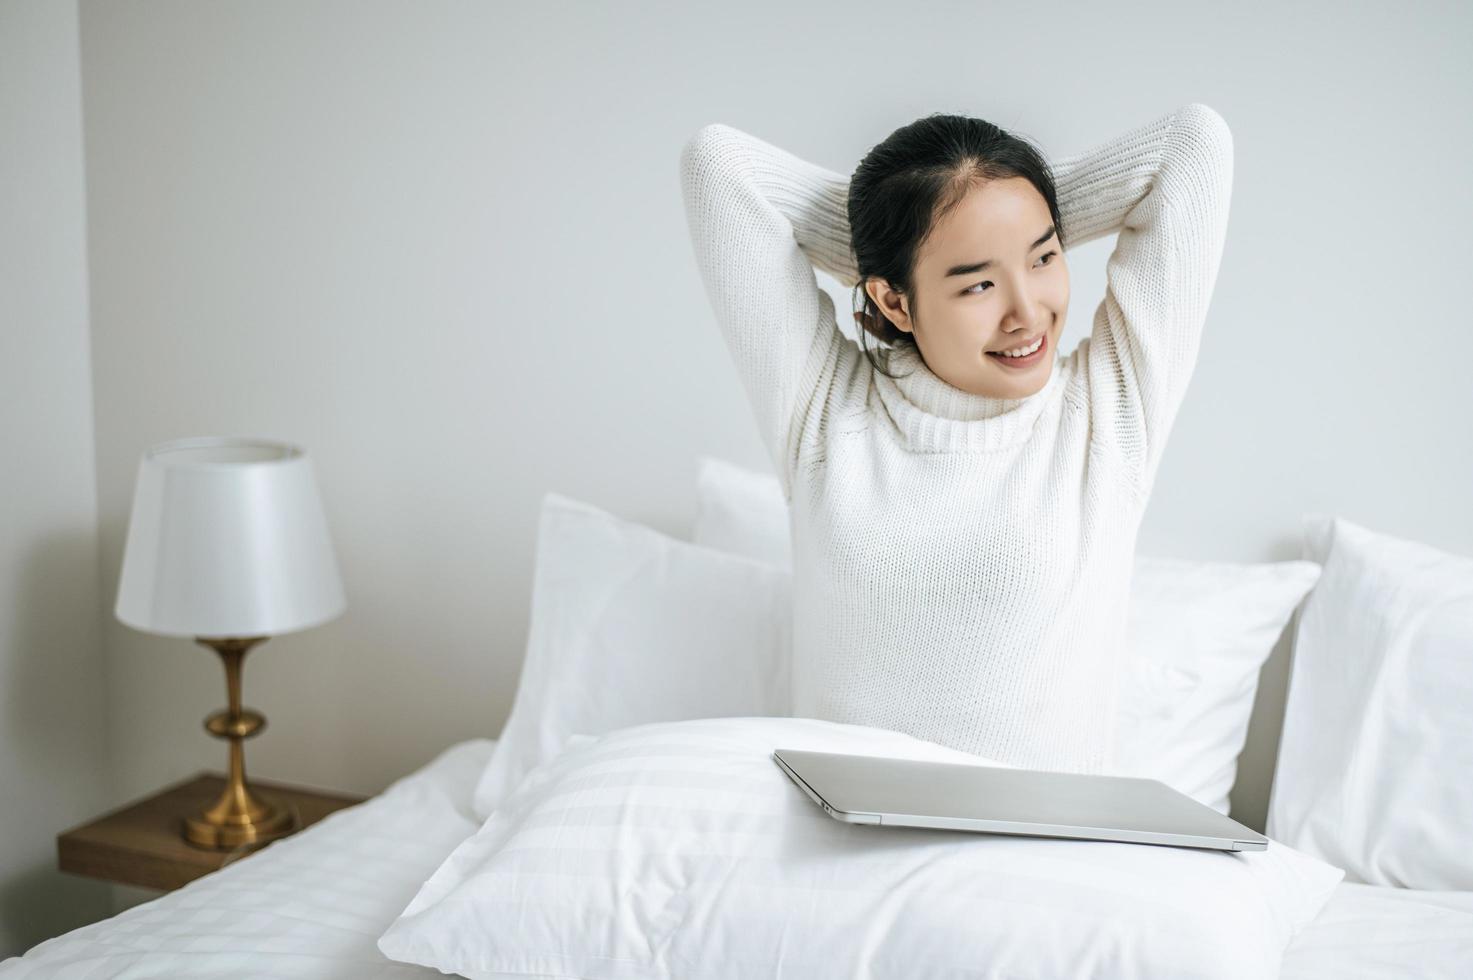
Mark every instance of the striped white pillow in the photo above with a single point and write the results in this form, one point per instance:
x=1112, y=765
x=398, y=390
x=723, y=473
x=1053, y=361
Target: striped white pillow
x=680, y=849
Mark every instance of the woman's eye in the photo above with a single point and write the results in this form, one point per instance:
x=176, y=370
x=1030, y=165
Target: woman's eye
x=974, y=291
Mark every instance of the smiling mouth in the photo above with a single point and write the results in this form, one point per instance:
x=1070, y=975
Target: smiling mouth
x=1031, y=359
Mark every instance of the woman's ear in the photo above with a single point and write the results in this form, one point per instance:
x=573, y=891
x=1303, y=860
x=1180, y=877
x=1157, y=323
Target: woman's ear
x=891, y=304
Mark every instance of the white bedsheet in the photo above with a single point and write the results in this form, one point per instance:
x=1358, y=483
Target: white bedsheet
x=313, y=905
x=310, y=906
x=1368, y=932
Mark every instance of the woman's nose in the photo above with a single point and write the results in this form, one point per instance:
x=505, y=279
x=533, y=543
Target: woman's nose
x=1024, y=312
x=1025, y=316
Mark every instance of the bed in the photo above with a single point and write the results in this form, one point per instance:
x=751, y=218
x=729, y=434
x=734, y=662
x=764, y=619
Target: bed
x=321, y=903
x=313, y=905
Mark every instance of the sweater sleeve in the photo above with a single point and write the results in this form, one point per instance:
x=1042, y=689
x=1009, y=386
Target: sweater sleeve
x=760, y=220
x=1165, y=186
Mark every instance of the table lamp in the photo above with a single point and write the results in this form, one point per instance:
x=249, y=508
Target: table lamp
x=228, y=544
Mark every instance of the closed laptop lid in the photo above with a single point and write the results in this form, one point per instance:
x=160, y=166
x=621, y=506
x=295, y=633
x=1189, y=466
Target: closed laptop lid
x=867, y=789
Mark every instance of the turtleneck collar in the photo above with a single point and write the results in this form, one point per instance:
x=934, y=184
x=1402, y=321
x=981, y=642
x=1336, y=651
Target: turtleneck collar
x=937, y=416
x=930, y=394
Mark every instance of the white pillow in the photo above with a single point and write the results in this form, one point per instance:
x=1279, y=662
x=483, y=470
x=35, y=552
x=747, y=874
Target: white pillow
x=1198, y=635
x=629, y=625
x=742, y=511
x=682, y=850
x=1375, y=769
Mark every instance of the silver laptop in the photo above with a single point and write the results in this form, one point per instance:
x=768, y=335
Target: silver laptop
x=995, y=800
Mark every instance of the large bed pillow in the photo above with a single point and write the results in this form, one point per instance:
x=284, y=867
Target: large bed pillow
x=742, y=511
x=1375, y=768
x=1197, y=637
x=629, y=625
x=681, y=850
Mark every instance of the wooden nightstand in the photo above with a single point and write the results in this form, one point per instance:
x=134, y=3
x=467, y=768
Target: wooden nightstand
x=141, y=843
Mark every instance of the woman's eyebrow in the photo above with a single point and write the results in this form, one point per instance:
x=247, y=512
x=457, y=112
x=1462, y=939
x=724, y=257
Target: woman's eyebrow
x=964, y=270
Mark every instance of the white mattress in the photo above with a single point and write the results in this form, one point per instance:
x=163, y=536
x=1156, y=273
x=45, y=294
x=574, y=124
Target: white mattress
x=310, y=905
x=314, y=905
x=1368, y=932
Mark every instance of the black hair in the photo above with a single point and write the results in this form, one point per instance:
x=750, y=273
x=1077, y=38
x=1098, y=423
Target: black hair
x=909, y=182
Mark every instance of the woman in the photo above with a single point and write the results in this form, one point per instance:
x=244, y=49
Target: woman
x=964, y=521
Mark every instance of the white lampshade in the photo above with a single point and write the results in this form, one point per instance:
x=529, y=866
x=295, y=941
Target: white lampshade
x=227, y=539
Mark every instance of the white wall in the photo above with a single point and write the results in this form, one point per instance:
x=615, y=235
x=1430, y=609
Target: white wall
x=441, y=245
x=52, y=705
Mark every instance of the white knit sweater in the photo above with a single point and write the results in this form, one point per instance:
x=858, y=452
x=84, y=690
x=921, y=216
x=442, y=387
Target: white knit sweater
x=961, y=563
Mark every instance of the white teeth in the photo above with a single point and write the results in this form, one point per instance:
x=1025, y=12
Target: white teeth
x=1023, y=351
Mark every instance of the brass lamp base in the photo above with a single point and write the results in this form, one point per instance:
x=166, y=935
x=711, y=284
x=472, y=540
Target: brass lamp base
x=262, y=820
x=239, y=817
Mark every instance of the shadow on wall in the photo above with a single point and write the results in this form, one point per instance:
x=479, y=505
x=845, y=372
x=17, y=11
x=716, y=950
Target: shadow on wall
x=1248, y=801
x=52, y=740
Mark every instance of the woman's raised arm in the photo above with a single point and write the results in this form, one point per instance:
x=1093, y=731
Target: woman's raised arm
x=761, y=219
x=1165, y=187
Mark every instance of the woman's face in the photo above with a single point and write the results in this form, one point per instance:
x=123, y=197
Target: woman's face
x=962, y=316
